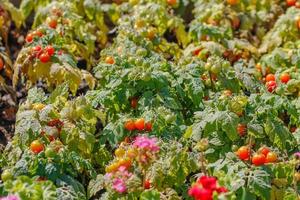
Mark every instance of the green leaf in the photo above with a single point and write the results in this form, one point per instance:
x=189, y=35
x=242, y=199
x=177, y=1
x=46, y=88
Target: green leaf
x=150, y=195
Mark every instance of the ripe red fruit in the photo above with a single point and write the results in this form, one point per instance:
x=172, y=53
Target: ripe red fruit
x=1, y=64
x=243, y=153
x=44, y=57
x=55, y=122
x=148, y=126
x=52, y=23
x=207, y=182
x=241, y=129
x=270, y=77
x=197, y=51
x=140, y=124
x=38, y=33
x=129, y=125
x=271, y=157
x=271, y=86
x=291, y=2
x=172, y=2
x=29, y=38
x=134, y=102
x=232, y=2
x=50, y=50
x=36, y=146
x=264, y=150
x=200, y=193
x=37, y=48
x=285, y=77
x=147, y=184
x=109, y=60
x=258, y=159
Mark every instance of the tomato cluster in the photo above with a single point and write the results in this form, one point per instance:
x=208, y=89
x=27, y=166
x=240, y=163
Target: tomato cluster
x=139, y=124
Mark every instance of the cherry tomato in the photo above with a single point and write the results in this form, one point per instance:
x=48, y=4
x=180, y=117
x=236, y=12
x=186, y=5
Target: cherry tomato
x=112, y=168
x=1, y=64
x=243, y=153
x=241, y=129
x=148, y=126
x=55, y=122
x=271, y=86
x=258, y=159
x=50, y=50
x=6, y=175
x=172, y=2
x=232, y=2
x=293, y=129
x=271, y=157
x=109, y=60
x=270, y=77
x=44, y=57
x=37, y=48
x=291, y=2
x=38, y=33
x=50, y=153
x=134, y=102
x=36, y=146
x=140, y=124
x=285, y=77
x=147, y=184
x=119, y=152
x=129, y=125
x=29, y=38
x=197, y=51
x=52, y=23
x=264, y=150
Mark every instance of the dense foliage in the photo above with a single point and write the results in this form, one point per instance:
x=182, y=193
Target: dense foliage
x=153, y=99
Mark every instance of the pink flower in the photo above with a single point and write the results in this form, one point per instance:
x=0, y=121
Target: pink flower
x=297, y=155
x=143, y=142
x=207, y=182
x=10, y=197
x=119, y=185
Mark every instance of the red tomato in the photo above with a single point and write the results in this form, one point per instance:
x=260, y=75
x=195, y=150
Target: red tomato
x=1, y=64
x=293, y=129
x=271, y=86
x=243, y=153
x=134, y=102
x=291, y=2
x=148, y=126
x=29, y=38
x=109, y=60
x=270, y=77
x=172, y=2
x=129, y=125
x=36, y=146
x=258, y=159
x=44, y=57
x=37, y=33
x=271, y=157
x=264, y=150
x=147, y=184
x=50, y=50
x=52, y=23
x=232, y=2
x=285, y=77
x=241, y=129
x=37, y=48
x=140, y=124
x=197, y=51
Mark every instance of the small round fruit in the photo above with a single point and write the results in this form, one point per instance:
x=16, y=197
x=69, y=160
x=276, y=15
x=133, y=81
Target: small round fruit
x=29, y=38
x=271, y=157
x=291, y=2
x=50, y=50
x=147, y=184
x=258, y=159
x=109, y=60
x=264, y=150
x=52, y=23
x=172, y=2
x=38, y=33
x=129, y=125
x=37, y=48
x=232, y=2
x=6, y=175
x=271, y=86
x=227, y=93
x=44, y=57
x=148, y=126
x=285, y=77
x=50, y=153
x=119, y=152
x=134, y=102
x=36, y=146
x=243, y=153
x=1, y=64
x=241, y=129
x=270, y=77
x=140, y=124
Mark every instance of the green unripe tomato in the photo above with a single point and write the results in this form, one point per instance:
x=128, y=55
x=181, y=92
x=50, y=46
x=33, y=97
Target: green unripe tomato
x=170, y=118
x=6, y=175
x=216, y=69
x=50, y=153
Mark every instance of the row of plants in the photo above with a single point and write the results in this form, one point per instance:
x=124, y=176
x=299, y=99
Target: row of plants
x=205, y=111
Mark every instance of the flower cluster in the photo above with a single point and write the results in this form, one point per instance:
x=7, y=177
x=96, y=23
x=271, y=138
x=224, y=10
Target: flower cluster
x=10, y=197
x=204, y=188
x=118, y=179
